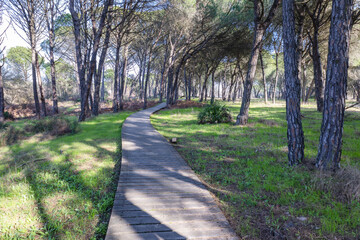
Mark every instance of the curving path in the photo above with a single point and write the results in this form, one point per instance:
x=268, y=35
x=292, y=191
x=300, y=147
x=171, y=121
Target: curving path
x=158, y=195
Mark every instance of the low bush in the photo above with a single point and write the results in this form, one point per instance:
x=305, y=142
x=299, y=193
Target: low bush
x=10, y=135
x=214, y=113
x=3, y=125
x=8, y=116
x=55, y=126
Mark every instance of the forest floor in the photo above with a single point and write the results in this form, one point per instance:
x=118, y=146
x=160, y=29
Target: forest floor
x=246, y=169
x=64, y=187
x=26, y=111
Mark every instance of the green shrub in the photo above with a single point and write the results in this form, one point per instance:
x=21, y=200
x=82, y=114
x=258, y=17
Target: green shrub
x=214, y=113
x=55, y=126
x=3, y=125
x=8, y=115
x=10, y=135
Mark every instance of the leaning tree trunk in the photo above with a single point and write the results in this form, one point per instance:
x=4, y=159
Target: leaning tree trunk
x=243, y=116
x=99, y=73
x=41, y=90
x=330, y=144
x=260, y=27
x=2, y=98
x=295, y=132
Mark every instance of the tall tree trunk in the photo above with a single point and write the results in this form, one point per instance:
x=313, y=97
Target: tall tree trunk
x=318, y=76
x=243, y=116
x=116, y=95
x=169, y=85
x=99, y=73
x=330, y=144
x=204, y=88
x=276, y=76
x=295, y=132
x=223, y=88
x=147, y=78
x=189, y=86
x=51, y=25
x=78, y=54
x=33, y=73
x=102, y=95
x=212, y=87
x=2, y=97
x=304, y=81
x=41, y=90
x=162, y=81
x=263, y=76
x=260, y=27
x=123, y=76
x=309, y=91
x=92, y=65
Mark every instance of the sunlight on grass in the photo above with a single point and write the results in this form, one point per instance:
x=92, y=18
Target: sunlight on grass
x=246, y=168
x=62, y=187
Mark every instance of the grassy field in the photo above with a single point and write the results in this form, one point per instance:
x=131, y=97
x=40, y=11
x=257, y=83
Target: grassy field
x=64, y=187
x=246, y=168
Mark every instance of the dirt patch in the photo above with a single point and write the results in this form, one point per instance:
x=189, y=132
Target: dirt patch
x=187, y=104
x=269, y=123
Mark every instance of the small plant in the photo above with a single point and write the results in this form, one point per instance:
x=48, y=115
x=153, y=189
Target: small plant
x=8, y=116
x=214, y=113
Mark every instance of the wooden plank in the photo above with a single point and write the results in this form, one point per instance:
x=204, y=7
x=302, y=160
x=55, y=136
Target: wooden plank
x=158, y=195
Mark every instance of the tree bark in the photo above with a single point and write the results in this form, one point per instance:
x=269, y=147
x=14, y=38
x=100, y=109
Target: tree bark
x=42, y=97
x=295, y=133
x=99, y=72
x=263, y=77
x=33, y=66
x=276, y=75
x=212, y=87
x=318, y=77
x=2, y=97
x=92, y=65
x=102, y=91
x=260, y=28
x=51, y=25
x=123, y=77
x=147, y=78
x=115, y=105
x=243, y=116
x=330, y=144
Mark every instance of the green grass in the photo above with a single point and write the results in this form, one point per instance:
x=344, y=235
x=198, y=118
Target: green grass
x=246, y=168
x=61, y=188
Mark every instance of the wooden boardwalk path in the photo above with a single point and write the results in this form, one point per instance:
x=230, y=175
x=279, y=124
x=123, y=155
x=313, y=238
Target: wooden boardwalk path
x=158, y=195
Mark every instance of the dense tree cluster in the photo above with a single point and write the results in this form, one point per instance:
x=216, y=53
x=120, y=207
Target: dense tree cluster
x=108, y=50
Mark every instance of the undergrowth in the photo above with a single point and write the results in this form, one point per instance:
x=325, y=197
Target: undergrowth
x=63, y=187
x=246, y=167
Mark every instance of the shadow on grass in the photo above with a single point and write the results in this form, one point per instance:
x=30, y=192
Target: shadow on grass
x=67, y=201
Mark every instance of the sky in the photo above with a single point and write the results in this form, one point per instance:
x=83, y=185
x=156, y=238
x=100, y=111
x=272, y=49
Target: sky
x=12, y=39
